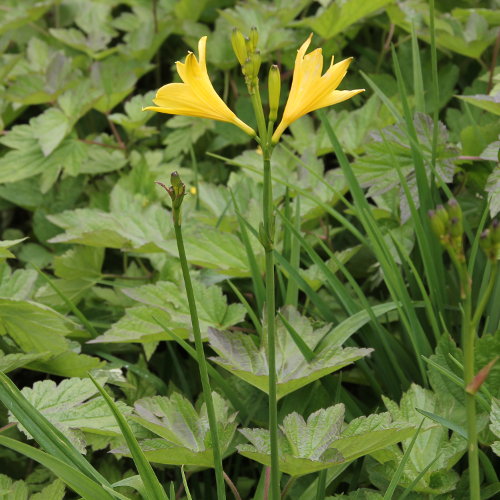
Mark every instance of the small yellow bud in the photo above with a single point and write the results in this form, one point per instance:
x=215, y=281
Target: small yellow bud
x=254, y=39
x=274, y=86
x=239, y=46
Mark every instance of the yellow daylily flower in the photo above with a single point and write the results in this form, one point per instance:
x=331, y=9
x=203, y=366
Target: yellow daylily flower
x=196, y=96
x=310, y=90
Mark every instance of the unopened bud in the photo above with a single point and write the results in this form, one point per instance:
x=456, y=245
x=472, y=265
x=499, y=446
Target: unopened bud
x=456, y=227
x=253, y=39
x=256, y=62
x=443, y=215
x=274, y=86
x=454, y=209
x=239, y=46
x=437, y=225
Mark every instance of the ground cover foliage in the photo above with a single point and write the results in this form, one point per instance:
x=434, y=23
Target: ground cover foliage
x=98, y=373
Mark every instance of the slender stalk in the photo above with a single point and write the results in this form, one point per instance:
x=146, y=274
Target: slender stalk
x=468, y=341
x=202, y=364
x=320, y=490
x=267, y=239
x=270, y=326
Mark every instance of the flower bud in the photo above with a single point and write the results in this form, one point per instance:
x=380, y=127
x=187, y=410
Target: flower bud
x=437, y=225
x=453, y=209
x=239, y=46
x=274, y=86
x=253, y=39
x=256, y=62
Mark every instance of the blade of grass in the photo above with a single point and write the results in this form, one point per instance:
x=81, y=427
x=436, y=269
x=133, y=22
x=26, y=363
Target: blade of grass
x=399, y=471
x=78, y=481
x=152, y=485
x=292, y=291
x=253, y=317
x=69, y=303
x=257, y=281
x=306, y=351
x=421, y=474
x=219, y=379
x=418, y=81
x=452, y=426
x=393, y=279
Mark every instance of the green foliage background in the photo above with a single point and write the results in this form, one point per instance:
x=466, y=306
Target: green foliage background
x=89, y=274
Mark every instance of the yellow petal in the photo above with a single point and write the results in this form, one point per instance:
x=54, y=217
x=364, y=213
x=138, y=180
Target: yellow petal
x=310, y=90
x=196, y=95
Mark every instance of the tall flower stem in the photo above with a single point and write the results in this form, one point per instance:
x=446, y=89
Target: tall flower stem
x=468, y=342
x=202, y=364
x=267, y=240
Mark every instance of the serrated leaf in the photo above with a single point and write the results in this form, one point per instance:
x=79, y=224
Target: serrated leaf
x=376, y=169
x=80, y=263
x=490, y=103
x=53, y=491
x=72, y=407
x=50, y=128
x=339, y=16
x=34, y=327
x=304, y=446
x=5, y=244
x=167, y=302
x=239, y=354
x=184, y=432
x=434, y=442
x=10, y=362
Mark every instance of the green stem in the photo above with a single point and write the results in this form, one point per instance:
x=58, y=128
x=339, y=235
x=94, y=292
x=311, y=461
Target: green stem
x=267, y=239
x=320, y=490
x=202, y=364
x=270, y=327
x=468, y=341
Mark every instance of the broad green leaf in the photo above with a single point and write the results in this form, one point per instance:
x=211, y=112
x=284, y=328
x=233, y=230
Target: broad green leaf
x=34, y=327
x=304, y=446
x=490, y=103
x=5, y=245
x=72, y=407
x=12, y=490
x=439, y=478
x=10, y=362
x=169, y=302
x=239, y=354
x=53, y=491
x=184, y=433
x=337, y=17
x=80, y=263
x=50, y=128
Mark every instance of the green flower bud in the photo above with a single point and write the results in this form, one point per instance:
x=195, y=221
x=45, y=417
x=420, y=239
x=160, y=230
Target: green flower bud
x=256, y=62
x=442, y=214
x=454, y=209
x=437, y=226
x=239, y=46
x=274, y=86
x=456, y=227
x=253, y=39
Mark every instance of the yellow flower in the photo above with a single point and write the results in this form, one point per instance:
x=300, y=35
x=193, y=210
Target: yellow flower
x=310, y=90
x=196, y=96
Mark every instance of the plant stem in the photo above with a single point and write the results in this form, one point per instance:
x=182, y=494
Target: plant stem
x=202, y=364
x=270, y=327
x=267, y=240
x=485, y=297
x=468, y=341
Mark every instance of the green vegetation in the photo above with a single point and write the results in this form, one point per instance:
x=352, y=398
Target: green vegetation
x=309, y=308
